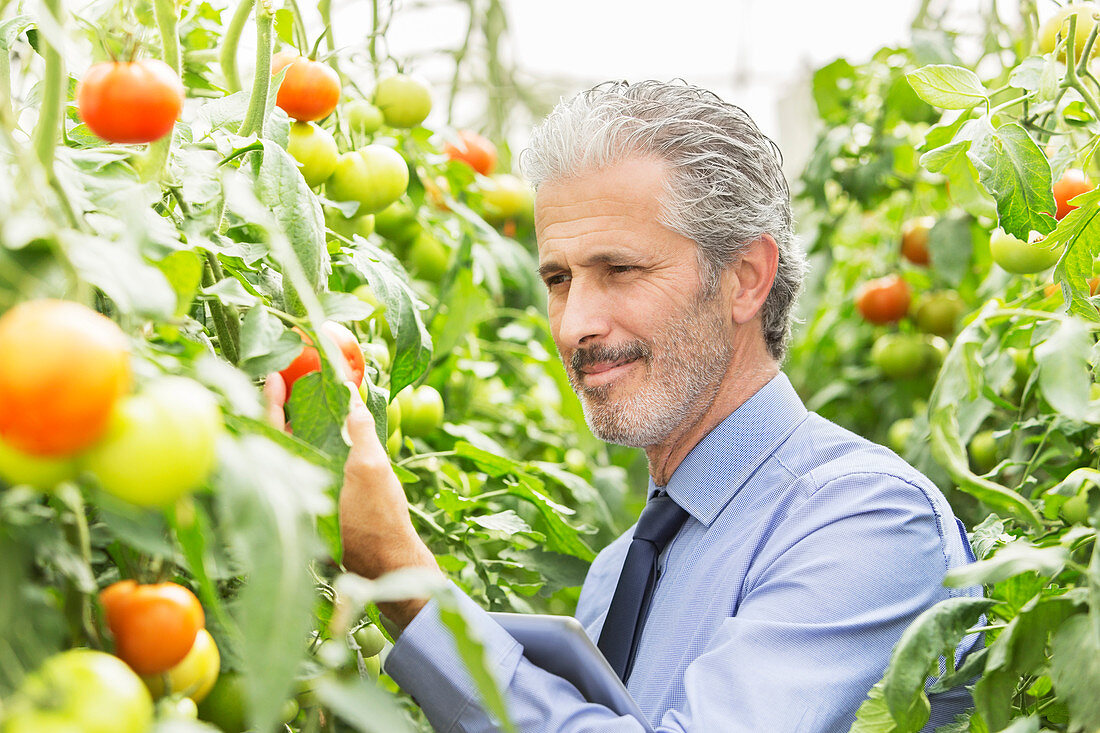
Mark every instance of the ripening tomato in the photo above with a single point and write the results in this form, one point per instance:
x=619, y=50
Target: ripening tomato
x=504, y=196
x=375, y=176
x=160, y=444
x=914, y=239
x=154, y=626
x=130, y=101
x=310, y=89
x=884, y=300
x=405, y=100
x=1072, y=183
x=42, y=472
x=62, y=368
x=474, y=150
x=315, y=150
x=308, y=360
x=195, y=674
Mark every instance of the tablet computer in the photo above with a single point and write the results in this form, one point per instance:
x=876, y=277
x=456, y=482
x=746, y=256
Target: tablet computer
x=560, y=645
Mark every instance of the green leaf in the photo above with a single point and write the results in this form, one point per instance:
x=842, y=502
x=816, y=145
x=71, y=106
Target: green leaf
x=318, y=406
x=506, y=522
x=1012, y=559
x=935, y=633
x=284, y=27
x=266, y=344
x=121, y=273
x=280, y=185
x=11, y=29
x=874, y=715
x=1079, y=234
x=1064, y=374
x=390, y=285
x=183, y=269
x=953, y=161
x=1075, y=671
x=951, y=245
x=472, y=653
x=1021, y=648
x=1014, y=170
x=833, y=87
x=363, y=705
x=948, y=87
x=494, y=465
x=268, y=500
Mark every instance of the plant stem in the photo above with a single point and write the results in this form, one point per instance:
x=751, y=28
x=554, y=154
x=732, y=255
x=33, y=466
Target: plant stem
x=230, y=41
x=219, y=316
x=372, y=46
x=167, y=16
x=299, y=27
x=54, y=90
x=265, y=41
x=325, y=8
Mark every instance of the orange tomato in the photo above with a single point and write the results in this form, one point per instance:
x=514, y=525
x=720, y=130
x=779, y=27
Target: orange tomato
x=1072, y=183
x=914, y=239
x=310, y=89
x=474, y=150
x=154, y=625
x=62, y=368
x=130, y=102
x=885, y=300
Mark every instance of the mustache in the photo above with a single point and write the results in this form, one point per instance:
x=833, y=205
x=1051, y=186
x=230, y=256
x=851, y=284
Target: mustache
x=600, y=353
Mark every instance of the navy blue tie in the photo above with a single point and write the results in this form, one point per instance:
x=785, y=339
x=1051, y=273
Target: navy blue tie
x=660, y=521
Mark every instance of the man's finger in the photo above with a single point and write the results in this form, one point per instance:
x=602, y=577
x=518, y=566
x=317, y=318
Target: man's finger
x=274, y=399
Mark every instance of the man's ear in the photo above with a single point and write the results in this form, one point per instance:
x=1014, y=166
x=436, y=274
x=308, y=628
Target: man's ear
x=750, y=278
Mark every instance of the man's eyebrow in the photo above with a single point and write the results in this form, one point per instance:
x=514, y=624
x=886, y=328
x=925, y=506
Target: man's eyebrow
x=598, y=258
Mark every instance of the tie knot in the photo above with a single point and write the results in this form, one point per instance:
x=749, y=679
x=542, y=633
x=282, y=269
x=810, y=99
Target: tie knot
x=660, y=521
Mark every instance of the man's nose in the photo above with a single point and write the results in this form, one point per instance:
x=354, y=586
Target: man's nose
x=585, y=315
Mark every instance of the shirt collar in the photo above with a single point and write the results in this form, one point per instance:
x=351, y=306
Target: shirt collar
x=720, y=464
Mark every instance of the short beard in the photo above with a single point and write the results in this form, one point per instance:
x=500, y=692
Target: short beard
x=686, y=362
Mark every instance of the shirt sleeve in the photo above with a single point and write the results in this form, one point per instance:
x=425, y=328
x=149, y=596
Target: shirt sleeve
x=829, y=596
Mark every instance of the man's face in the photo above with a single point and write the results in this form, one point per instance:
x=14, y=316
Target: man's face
x=644, y=349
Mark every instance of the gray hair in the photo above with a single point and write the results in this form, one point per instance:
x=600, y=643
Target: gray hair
x=726, y=184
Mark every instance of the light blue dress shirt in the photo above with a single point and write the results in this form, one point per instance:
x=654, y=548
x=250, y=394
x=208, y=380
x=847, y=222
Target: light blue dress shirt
x=807, y=552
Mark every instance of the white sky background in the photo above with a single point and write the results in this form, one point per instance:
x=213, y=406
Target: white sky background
x=755, y=53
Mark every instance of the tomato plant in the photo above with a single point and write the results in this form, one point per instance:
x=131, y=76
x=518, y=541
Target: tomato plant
x=62, y=368
x=154, y=626
x=160, y=443
x=310, y=89
x=130, y=101
x=404, y=100
x=308, y=360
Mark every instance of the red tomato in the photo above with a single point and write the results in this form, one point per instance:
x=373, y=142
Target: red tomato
x=474, y=150
x=310, y=361
x=1072, y=183
x=154, y=625
x=884, y=300
x=130, y=102
x=62, y=368
x=310, y=89
x=914, y=239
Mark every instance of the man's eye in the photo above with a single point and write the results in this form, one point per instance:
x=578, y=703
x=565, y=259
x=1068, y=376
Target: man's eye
x=553, y=280
x=623, y=268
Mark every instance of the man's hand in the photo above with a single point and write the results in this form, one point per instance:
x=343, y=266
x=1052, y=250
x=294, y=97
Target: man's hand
x=378, y=536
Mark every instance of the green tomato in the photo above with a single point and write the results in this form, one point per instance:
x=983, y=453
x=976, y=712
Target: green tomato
x=160, y=443
x=378, y=354
x=373, y=665
x=397, y=223
x=361, y=225
x=405, y=100
x=935, y=352
x=375, y=176
x=421, y=410
x=394, y=443
x=363, y=117
x=225, y=705
x=370, y=639
x=899, y=355
x=194, y=676
x=983, y=452
x=428, y=258
x=41, y=472
x=898, y=436
x=393, y=417
x=80, y=690
x=315, y=150
x=1075, y=510
x=939, y=313
x=1020, y=257
x=1059, y=24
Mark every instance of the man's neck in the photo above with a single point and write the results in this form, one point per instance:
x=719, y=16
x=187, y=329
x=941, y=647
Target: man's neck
x=746, y=375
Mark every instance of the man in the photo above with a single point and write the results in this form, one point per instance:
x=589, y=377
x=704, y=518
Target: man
x=797, y=552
